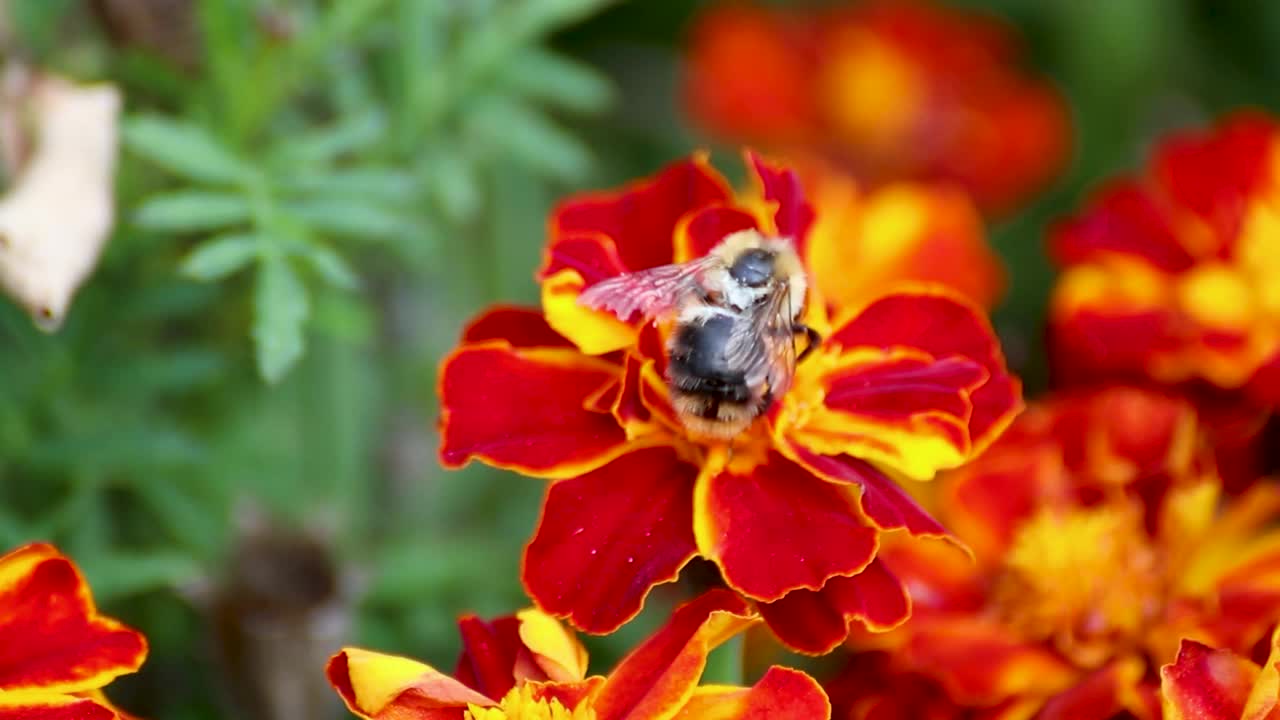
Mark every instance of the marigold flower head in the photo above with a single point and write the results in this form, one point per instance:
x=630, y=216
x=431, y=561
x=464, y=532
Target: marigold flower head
x=56, y=651
x=529, y=667
x=1170, y=276
x=791, y=511
x=889, y=90
x=1102, y=539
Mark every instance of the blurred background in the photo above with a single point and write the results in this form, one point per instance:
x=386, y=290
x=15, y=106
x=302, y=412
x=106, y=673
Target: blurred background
x=232, y=430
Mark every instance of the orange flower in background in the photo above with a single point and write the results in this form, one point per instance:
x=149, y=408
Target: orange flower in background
x=888, y=90
x=1170, y=276
x=792, y=512
x=530, y=668
x=56, y=651
x=1102, y=540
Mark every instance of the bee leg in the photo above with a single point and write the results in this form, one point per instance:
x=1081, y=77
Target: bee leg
x=812, y=337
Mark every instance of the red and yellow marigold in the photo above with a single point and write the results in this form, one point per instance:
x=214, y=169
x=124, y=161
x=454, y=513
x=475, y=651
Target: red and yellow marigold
x=529, y=667
x=1213, y=684
x=902, y=385
x=1102, y=540
x=1170, y=275
x=888, y=90
x=56, y=651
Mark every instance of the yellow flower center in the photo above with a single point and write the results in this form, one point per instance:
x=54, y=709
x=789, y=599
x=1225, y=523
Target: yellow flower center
x=522, y=704
x=1089, y=580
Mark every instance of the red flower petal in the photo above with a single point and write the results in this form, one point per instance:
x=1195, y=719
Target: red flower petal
x=1214, y=173
x=1089, y=344
x=882, y=501
x=780, y=528
x=817, y=622
x=51, y=636
x=794, y=215
x=487, y=663
x=594, y=257
x=656, y=678
x=703, y=230
x=942, y=325
x=1206, y=684
x=522, y=327
x=641, y=218
x=1123, y=219
x=781, y=694
x=607, y=537
x=374, y=685
x=525, y=409
x=53, y=707
x=983, y=662
x=1104, y=693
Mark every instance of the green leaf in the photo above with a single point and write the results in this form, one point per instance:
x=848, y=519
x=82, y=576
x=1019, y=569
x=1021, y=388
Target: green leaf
x=280, y=310
x=325, y=144
x=375, y=184
x=183, y=149
x=329, y=265
x=530, y=138
x=544, y=76
x=192, y=211
x=348, y=217
x=452, y=180
x=217, y=258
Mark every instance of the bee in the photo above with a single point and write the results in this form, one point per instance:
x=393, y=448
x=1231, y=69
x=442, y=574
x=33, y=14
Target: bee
x=736, y=311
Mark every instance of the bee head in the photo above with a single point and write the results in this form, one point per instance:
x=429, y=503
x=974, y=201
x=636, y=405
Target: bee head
x=753, y=268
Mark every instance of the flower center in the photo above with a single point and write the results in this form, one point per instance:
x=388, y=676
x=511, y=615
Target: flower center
x=523, y=704
x=1089, y=580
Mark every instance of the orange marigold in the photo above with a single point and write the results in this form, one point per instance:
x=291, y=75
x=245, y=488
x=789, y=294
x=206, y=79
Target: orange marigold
x=1102, y=540
x=888, y=90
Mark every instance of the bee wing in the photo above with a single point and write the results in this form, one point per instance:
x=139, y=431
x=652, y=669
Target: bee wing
x=652, y=292
x=763, y=345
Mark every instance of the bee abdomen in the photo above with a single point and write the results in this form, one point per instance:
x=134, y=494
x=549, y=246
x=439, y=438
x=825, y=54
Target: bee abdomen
x=698, y=361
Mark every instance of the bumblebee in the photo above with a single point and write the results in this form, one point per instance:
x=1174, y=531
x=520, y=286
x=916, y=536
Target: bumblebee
x=737, y=310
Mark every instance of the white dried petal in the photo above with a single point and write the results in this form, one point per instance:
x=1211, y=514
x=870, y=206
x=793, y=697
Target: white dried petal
x=57, y=213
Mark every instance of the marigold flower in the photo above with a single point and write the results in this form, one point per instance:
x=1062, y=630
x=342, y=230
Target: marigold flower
x=1102, y=539
x=1171, y=276
x=791, y=512
x=56, y=651
x=529, y=667
x=890, y=90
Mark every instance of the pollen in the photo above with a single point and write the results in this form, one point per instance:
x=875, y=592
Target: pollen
x=523, y=704
x=1088, y=580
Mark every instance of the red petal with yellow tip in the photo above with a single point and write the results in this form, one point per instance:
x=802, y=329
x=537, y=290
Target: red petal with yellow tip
x=656, y=678
x=704, y=229
x=782, y=694
x=1123, y=219
x=487, y=663
x=1206, y=684
x=794, y=215
x=1214, y=173
x=522, y=327
x=779, y=528
x=42, y=706
x=51, y=635
x=817, y=622
x=882, y=501
x=641, y=218
x=943, y=326
x=382, y=687
x=607, y=537
x=524, y=409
